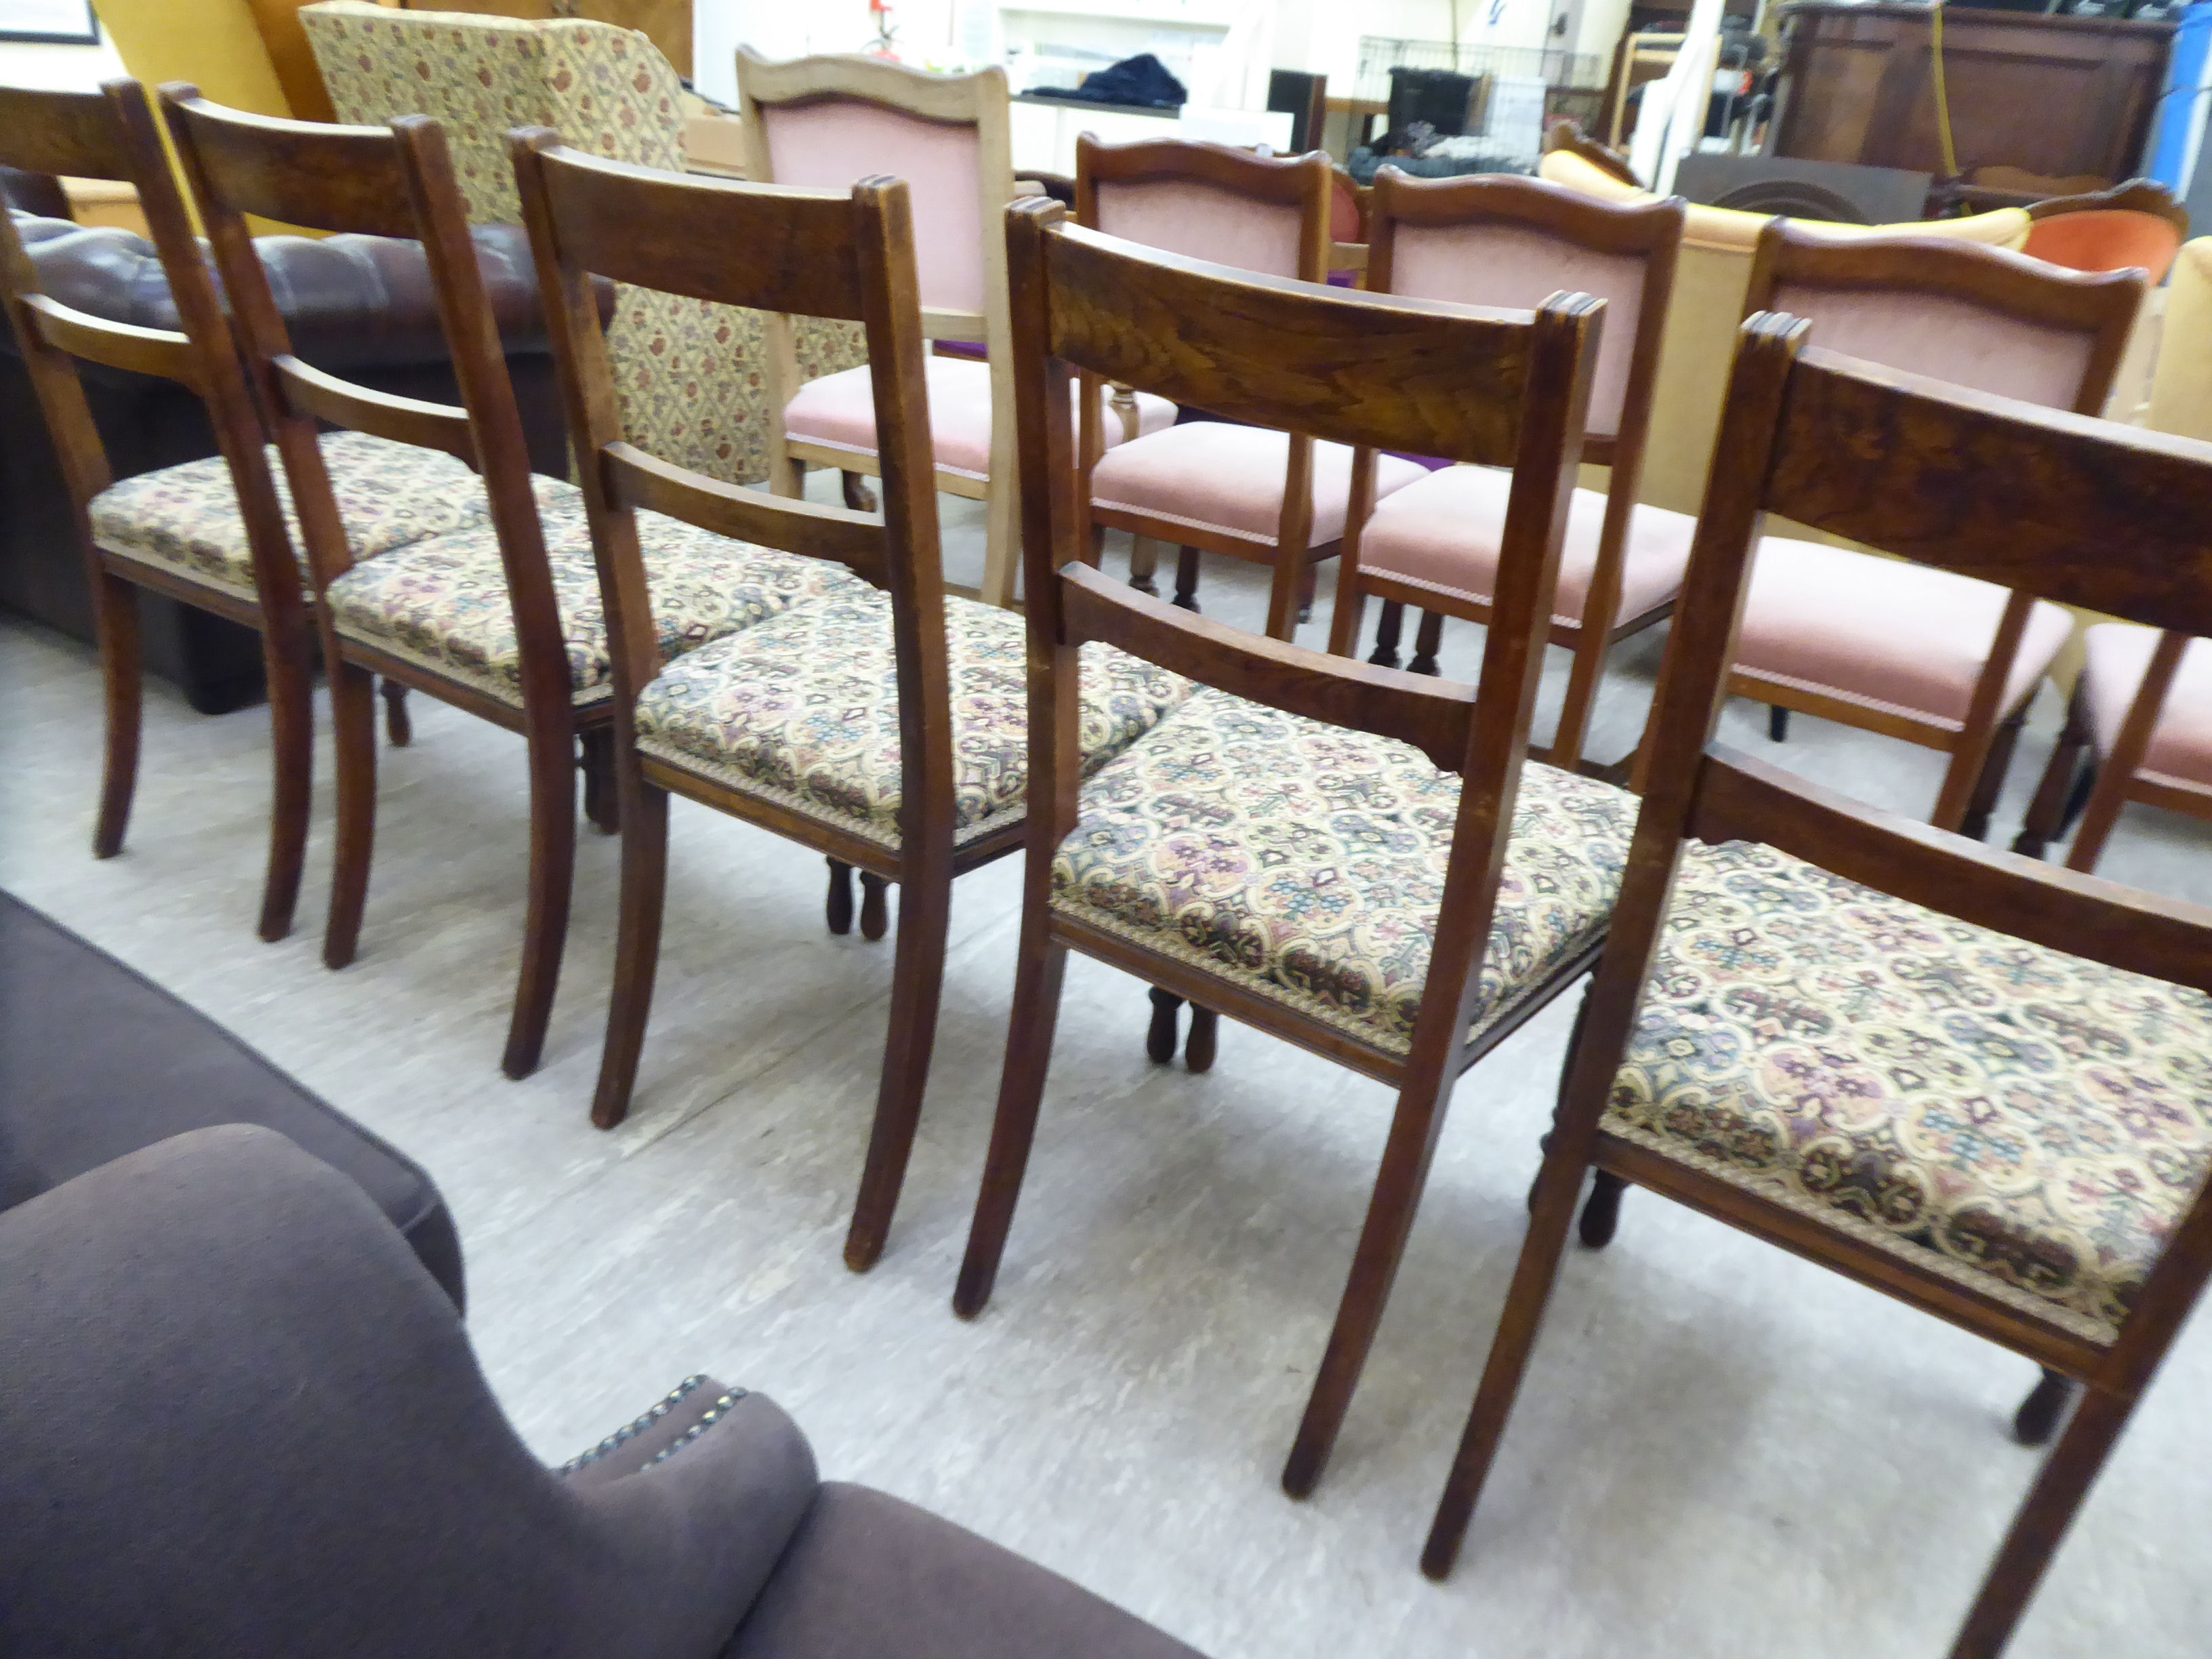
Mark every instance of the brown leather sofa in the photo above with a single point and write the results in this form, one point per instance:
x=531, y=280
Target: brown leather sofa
x=358, y=305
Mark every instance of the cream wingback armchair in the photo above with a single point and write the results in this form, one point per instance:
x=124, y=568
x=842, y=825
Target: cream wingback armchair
x=692, y=376
x=1704, y=311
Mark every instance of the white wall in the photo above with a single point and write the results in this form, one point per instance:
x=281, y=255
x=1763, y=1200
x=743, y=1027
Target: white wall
x=58, y=69
x=800, y=28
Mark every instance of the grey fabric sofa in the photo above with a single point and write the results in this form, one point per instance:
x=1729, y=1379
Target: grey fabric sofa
x=237, y=1418
x=95, y=1062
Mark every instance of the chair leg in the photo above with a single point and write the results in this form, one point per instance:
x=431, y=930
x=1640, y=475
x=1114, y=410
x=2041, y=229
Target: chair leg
x=115, y=618
x=1976, y=824
x=841, y=897
x=1427, y=642
x=602, y=798
x=875, y=908
x=858, y=496
x=1160, y=1041
x=353, y=721
x=1385, y=654
x=399, y=724
x=1037, y=979
x=1144, y=564
x=1582, y=681
x=1558, y=1185
x=1601, y=1209
x=2039, y=1414
x=1186, y=594
x=1309, y=584
x=637, y=945
x=292, y=753
x=1397, y=1195
x=2062, y=791
x=552, y=875
x=917, y=979
x=1777, y=724
x=2041, y=1524
x=1205, y=1033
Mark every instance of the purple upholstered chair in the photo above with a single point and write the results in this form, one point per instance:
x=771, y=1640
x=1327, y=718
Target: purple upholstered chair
x=830, y=122
x=1499, y=240
x=1937, y=659
x=1211, y=485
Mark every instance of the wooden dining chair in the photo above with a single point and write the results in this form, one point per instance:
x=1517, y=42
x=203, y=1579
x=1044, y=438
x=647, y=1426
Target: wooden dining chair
x=501, y=619
x=1929, y=656
x=1499, y=240
x=217, y=533
x=1954, y=1076
x=921, y=775
x=1209, y=485
x=2142, y=718
x=1351, y=859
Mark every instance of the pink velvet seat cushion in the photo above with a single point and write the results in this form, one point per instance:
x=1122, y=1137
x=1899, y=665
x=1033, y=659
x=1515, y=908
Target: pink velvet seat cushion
x=838, y=411
x=1446, y=529
x=1888, y=635
x=1209, y=475
x=2117, y=656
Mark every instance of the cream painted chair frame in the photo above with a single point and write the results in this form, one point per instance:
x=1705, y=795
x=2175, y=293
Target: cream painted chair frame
x=979, y=100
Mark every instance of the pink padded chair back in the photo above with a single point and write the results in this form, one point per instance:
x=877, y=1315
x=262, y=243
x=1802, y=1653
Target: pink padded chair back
x=832, y=143
x=1520, y=266
x=1203, y=221
x=1981, y=318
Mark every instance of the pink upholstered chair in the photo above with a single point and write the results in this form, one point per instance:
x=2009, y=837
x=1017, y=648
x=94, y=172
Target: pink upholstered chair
x=1275, y=498
x=1503, y=241
x=830, y=122
x=1935, y=658
x=2143, y=710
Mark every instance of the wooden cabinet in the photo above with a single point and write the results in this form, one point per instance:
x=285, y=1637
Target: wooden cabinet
x=2057, y=98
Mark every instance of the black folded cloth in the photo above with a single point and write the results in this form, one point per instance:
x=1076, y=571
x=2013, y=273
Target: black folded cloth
x=1142, y=81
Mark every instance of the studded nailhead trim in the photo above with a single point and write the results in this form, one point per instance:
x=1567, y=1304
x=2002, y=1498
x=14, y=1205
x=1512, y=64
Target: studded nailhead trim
x=631, y=1430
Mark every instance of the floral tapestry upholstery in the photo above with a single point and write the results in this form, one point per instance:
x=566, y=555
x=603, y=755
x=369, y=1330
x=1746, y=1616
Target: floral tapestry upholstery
x=187, y=517
x=1305, y=863
x=443, y=603
x=804, y=712
x=691, y=377
x=2024, y=1122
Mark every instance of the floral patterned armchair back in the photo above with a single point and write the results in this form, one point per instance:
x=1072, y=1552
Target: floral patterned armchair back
x=692, y=376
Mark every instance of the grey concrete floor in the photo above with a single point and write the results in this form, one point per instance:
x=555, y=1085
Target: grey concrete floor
x=1720, y=1450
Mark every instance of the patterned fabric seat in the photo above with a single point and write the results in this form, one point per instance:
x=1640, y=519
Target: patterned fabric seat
x=803, y=711
x=442, y=603
x=1306, y=863
x=187, y=516
x=2030, y=1123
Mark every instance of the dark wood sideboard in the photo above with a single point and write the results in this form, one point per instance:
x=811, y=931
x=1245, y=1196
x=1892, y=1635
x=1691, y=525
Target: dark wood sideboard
x=2057, y=98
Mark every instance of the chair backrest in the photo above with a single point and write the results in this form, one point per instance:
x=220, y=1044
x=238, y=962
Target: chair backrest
x=114, y=134
x=1499, y=240
x=1983, y=317
x=1268, y=214
x=279, y=1442
x=377, y=181
x=844, y=254
x=2003, y=491
x=828, y=123
x=1501, y=388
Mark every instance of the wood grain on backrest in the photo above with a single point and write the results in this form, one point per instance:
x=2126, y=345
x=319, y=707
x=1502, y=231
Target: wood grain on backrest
x=1500, y=388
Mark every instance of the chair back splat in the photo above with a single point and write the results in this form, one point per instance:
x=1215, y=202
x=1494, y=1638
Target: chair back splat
x=2005, y=492
x=1497, y=388
x=114, y=134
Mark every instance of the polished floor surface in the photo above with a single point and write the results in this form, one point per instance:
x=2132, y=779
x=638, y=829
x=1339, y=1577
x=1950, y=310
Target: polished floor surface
x=1720, y=1450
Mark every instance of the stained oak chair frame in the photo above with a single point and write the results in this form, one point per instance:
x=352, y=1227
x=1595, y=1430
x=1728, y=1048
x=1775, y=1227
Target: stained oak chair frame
x=400, y=182
x=819, y=253
x=114, y=134
x=977, y=100
x=1912, y=464
x=2102, y=306
x=1303, y=182
x=1503, y=388
x=1650, y=231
